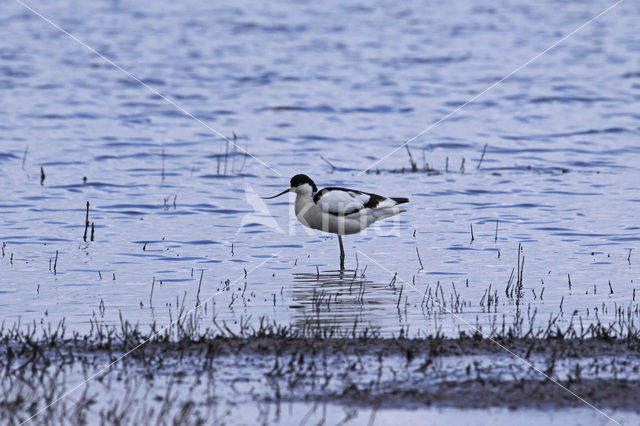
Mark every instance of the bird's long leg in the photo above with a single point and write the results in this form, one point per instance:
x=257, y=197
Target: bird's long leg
x=341, y=253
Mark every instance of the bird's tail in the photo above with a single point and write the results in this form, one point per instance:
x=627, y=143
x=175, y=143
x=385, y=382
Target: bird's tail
x=400, y=200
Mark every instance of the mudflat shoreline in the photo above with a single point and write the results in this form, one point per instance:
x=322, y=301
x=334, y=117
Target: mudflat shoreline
x=273, y=365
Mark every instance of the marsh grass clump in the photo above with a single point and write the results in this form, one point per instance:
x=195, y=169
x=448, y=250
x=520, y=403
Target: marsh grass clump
x=431, y=170
x=223, y=168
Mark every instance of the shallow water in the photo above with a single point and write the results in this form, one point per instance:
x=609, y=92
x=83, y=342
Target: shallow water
x=331, y=413
x=296, y=82
x=284, y=381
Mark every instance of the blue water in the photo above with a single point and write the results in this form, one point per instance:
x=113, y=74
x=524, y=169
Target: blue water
x=299, y=82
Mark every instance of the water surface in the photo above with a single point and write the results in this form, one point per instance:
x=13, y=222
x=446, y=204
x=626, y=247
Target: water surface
x=297, y=82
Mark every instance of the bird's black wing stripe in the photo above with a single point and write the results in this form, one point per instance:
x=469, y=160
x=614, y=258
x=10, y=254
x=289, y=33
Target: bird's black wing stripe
x=347, y=213
x=400, y=200
x=374, y=199
x=320, y=193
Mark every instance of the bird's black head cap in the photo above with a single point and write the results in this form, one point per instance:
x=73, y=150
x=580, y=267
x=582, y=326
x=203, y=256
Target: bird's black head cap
x=298, y=180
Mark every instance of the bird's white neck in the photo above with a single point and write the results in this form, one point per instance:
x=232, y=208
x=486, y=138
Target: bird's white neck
x=304, y=197
x=304, y=190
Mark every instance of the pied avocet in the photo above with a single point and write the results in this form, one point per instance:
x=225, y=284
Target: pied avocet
x=339, y=211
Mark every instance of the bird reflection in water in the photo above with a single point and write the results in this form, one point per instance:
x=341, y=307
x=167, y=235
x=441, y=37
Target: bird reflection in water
x=339, y=300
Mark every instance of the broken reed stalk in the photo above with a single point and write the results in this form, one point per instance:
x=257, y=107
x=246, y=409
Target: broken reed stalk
x=519, y=249
x=24, y=157
x=42, y=176
x=246, y=154
x=92, y=231
x=472, y=238
x=333, y=168
x=519, y=283
x=419, y=260
x=200, y=285
x=484, y=150
x=55, y=264
x=153, y=284
x=162, y=173
x=414, y=165
x=495, y=240
x=226, y=156
x=235, y=150
x=506, y=290
x=86, y=224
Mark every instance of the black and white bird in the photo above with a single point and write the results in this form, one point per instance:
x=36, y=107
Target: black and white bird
x=339, y=211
